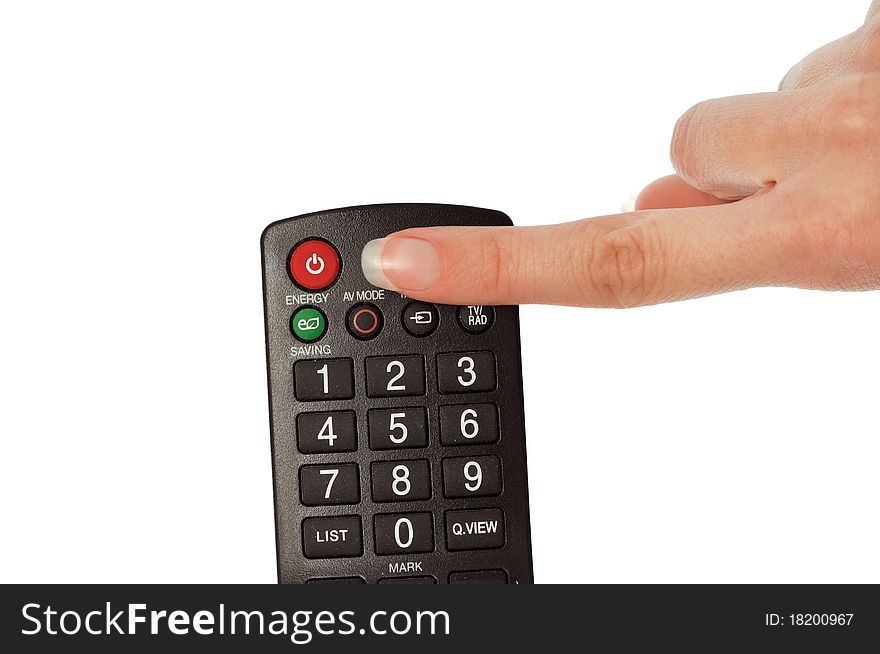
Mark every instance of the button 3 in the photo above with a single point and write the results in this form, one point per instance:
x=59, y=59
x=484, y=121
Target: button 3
x=314, y=264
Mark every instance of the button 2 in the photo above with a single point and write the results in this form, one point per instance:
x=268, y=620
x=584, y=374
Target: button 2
x=396, y=375
x=466, y=372
x=314, y=264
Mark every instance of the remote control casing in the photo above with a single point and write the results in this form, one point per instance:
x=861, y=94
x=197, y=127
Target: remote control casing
x=348, y=230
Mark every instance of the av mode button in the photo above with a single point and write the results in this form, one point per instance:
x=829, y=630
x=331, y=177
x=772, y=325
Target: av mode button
x=474, y=529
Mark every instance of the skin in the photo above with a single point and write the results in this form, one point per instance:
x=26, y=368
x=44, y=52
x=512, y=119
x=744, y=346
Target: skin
x=772, y=189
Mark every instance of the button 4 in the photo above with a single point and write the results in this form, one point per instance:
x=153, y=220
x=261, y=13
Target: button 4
x=326, y=431
x=314, y=264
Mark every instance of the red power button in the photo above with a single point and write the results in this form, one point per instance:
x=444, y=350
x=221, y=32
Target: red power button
x=314, y=264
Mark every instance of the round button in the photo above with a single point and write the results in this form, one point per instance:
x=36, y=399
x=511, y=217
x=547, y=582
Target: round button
x=364, y=321
x=476, y=319
x=420, y=318
x=308, y=324
x=314, y=264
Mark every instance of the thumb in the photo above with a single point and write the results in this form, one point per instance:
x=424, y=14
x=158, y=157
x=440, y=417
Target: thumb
x=643, y=257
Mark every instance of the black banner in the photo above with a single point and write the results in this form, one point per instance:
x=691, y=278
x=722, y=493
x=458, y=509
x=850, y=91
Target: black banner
x=327, y=618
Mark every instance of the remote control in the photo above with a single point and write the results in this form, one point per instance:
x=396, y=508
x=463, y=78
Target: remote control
x=398, y=438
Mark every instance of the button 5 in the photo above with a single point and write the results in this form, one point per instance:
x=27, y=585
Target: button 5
x=314, y=264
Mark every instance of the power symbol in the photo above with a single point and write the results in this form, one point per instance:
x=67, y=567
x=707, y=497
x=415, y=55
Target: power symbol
x=315, y=264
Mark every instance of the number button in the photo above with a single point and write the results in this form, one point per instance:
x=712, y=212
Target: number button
x=472, y=476
x=323, y=379
x=393, y=428
x=329, y=484
x=468, y=424
x=332, y=537
x=401, y=481
x=395, y=376
x=403, y=533
x=466, y=372
x=326, y=431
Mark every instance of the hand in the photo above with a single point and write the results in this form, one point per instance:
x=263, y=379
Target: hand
x=773, y=189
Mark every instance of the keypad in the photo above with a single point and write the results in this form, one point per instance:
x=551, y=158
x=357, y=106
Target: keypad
x=401, y=481
x=333, y=484
x=466, y=372
x=396, y=376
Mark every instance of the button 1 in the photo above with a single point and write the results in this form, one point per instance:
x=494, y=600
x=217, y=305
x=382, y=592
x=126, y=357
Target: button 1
x=308, y=324
x=404, y=533
x=323, y=379
x=479, y=577
x=420, y=318
x=476, y=529
x=476, y=319
x=396, y=375
x=314, y=264
x=468, y=424
x=329, y=484
x=364, y=321
x=400, y=481
x=390, y=429
x=326, y=431
x=332, y=537
x=466, y=372
x=472, y=476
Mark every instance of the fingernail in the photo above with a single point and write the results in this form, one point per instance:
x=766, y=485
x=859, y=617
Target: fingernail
x=401, y=263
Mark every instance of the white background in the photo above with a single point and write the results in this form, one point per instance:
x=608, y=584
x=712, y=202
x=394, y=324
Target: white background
x=144, y=147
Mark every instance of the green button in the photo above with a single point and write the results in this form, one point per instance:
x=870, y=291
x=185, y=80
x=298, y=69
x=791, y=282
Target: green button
x=308, y=324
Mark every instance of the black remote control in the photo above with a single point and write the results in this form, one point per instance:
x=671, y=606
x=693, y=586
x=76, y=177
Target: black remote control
x=398, y=438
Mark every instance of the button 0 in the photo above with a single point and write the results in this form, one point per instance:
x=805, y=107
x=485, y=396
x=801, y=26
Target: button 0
x=474, y=529
x=332, y=537
x=364, y=321
x=404, y=533
x=314, y=264
x=420, y=318
x=476, y=319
